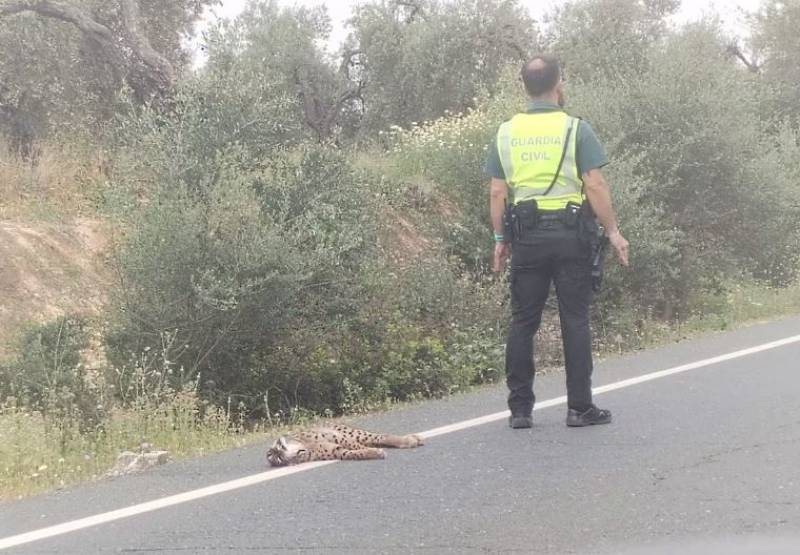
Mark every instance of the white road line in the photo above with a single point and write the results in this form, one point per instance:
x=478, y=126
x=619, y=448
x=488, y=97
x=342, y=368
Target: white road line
x=103, y=518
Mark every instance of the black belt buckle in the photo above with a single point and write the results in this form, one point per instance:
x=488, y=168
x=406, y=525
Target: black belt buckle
x=571, y=214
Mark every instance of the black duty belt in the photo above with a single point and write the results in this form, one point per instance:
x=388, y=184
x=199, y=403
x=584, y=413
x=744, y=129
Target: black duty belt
x=551, y=215
x=525, y=217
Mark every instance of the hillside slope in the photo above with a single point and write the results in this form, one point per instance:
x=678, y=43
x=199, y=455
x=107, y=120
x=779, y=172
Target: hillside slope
x=49, y=270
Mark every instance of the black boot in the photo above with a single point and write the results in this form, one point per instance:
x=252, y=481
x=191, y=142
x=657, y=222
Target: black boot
x=518, y=422
x=589, y=417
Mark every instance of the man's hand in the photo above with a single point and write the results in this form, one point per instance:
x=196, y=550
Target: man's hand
x=620, y=245
x=599, y=196
x=501, y=252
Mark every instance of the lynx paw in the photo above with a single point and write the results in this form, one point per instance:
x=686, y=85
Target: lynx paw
x=415, y=441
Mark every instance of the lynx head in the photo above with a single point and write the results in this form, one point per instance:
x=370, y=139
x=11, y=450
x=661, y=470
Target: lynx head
x=285, y=451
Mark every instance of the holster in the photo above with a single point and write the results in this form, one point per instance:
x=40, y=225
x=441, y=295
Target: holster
x=519, y=218
x=572, y=215
x=589, y=231
x=510, y=224
x=527, y=214
x=591, y=234
x=598, y=263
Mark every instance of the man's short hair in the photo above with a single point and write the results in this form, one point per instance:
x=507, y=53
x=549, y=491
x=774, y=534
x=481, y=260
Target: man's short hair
x=541, y=74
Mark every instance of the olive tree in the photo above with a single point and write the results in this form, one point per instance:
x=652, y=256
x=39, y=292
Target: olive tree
x=65, y=62
x=777, y=47
x=268, y=41
x=421, y=59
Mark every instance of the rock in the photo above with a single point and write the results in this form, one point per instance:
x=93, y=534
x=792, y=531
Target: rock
x=129, y=462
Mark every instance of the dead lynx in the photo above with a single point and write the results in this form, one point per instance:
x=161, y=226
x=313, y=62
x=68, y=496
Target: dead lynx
x=336, y=442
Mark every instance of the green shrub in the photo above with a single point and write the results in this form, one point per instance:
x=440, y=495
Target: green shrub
x=450, y=153
x=262, y=252
x=704, y=164
x=273, y=273
x=47, y=375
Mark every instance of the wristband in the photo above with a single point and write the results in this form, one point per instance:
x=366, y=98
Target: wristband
x=499, y=238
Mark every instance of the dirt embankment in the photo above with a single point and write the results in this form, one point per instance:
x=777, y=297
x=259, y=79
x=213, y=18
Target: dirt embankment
x=49, y=270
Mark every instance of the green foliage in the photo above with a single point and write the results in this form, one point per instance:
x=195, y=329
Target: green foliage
x=602, y=39
x=55, y=81
x=401, y=62
x=422, y=59
x=218, y=114
x=695, y=171
x=282, y=45
x=48, y=374
x=772, y=246
x=703, y=157
x=704, y=160
x=230, y=271
x=396, y=362
x=253, y=258
x=777, y=44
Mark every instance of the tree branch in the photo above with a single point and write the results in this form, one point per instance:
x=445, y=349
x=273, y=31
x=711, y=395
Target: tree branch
x=156, y=77
x=318, y=115
x=734, y=50
x=415, y=9
x=348, y=61
x=62, y=11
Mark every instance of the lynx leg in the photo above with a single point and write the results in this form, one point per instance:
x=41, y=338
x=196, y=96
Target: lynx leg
x=367, y=453
x=370, y=439
x=398, y=442
x=322, y=451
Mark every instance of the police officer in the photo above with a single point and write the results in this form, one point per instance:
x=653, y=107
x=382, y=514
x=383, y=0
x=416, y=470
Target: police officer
x=547, y=164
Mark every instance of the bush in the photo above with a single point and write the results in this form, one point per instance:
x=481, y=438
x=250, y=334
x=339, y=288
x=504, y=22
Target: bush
x=400, y=362
x=262, y=264
x=228, y=274
x=703, y=160
x=48, y=375
x=450, y=153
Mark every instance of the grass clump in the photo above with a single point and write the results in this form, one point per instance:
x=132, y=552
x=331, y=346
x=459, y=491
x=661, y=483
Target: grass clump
x=40, y=452
x=62, y=182
x=61, y=423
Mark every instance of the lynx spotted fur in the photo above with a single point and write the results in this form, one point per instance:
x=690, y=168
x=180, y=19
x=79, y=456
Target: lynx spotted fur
x=336, y=442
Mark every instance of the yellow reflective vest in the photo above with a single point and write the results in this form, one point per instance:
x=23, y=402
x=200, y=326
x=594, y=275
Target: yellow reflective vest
x=531, y=147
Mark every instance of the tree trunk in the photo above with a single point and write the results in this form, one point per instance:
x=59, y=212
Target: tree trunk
x=151, y=76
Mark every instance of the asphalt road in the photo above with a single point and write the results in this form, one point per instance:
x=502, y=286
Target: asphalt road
x=704, y=461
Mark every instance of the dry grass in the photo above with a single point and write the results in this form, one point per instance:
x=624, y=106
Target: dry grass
x=38, y=453
x=750, y=303
x=742, y=304
x=48, y=270
x=51, y=239
x=61, y=183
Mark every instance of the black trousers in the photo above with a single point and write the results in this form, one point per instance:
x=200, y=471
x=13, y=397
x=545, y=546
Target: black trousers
x=550, y=253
